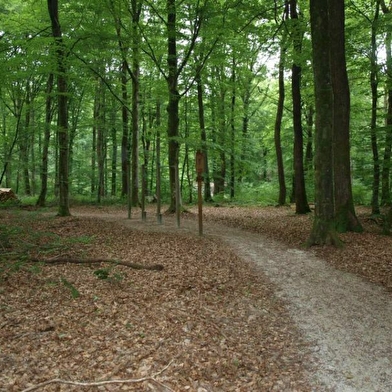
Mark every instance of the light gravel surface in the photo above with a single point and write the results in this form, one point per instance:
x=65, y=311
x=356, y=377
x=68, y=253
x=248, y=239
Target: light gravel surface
x=347, y=320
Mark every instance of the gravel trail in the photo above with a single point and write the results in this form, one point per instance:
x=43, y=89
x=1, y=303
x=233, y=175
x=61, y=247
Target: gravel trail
x=346, y=319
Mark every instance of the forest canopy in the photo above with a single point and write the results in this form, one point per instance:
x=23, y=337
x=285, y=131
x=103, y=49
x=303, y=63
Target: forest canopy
x=111, y=97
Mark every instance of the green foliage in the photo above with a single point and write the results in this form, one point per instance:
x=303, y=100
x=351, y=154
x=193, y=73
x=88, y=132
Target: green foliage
x=102, y=273
x=73, y=290
x=238, y=79
x=106, y=273
x=361, y=193
x=264, y=194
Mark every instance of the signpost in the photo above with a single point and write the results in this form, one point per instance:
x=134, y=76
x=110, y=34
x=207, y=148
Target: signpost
x=200, y=171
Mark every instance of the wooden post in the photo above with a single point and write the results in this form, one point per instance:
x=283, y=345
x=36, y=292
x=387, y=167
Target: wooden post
x=200, y=171
x=129, y=196
x=177, y=186
x=144, y=214
x=158, y=177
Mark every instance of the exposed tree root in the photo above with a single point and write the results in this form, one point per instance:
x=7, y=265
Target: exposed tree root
x=60, y=260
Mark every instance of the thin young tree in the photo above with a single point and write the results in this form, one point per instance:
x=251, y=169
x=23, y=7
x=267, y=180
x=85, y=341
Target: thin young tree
x=301, y=201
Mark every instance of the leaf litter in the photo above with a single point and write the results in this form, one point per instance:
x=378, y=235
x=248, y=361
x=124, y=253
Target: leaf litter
x=209, y=319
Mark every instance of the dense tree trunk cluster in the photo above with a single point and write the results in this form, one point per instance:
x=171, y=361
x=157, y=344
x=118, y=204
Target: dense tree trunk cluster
x=82, y=103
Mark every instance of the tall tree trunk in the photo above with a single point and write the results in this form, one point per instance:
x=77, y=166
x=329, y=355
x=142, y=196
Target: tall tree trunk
x=345, y=217
x=45, y=148
x=186, y=166
x=99, y=122
x=174, y=100
x=301, y=202
x=24, y=142
x=373, y=122
x=309, y=137
x=220, y=138
x=386, y=169
x=232, y=130
x=125, y=132
x=62, y=90
x=278, y=122
x=136, y=9
x=203, y=135
x=323, y=230
x=114, y=150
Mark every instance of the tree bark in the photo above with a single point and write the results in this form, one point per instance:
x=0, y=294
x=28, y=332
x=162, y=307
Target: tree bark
x=323, y=230
x=386, y=169
x=278, y=122
x=136, y=10
x=62, y=97
x=301, y=202
x=125, y=133
x=232, y=130
x=174, y=100
x=345, y=217
x=45, y=147
x=203, y=134
x=373, y=121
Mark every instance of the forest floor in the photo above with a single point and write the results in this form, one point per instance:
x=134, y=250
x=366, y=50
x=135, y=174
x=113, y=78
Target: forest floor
x=243, y=308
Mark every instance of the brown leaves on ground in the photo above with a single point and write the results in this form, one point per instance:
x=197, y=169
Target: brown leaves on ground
x=208, y=315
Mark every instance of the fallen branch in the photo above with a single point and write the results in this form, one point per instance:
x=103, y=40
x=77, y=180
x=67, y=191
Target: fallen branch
x=60, y=260
x=100, y=383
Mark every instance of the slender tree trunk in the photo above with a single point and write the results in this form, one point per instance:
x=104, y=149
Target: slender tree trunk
x=309, y=139
x=62, y=110
x=345, y=217
x=114, y=151
x=135, y=101
x=232, y=130
x=373, y=122
x=24, y=142
x=220, y=170
x=323, y=230
x=45, y=148
x=386, y=169
x=203, y=135
x=99, y=122
x=174, y=100
x=125, y=133
x=278, y=123
x=301, y=202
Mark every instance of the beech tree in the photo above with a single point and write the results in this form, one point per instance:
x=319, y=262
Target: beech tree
x=324, y=230
x=345, y=217
x=62, y=99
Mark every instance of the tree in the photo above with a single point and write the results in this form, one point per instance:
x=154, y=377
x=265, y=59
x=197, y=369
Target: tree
x=62, y=98
x=45, y=149
x=385, y=188
x=278, y=120
x=323, y=230
x=345, y=217
x=301, y=201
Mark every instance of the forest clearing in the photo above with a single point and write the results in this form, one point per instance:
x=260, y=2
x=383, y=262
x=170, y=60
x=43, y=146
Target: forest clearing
x=210, y=320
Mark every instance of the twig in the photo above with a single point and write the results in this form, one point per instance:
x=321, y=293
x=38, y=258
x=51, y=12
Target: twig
x=100, y=383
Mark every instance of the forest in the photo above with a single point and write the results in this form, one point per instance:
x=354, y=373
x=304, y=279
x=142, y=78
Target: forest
x=277, y=114
x=112, y=99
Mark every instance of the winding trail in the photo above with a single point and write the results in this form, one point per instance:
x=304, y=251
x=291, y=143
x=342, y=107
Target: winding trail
x=346, y=320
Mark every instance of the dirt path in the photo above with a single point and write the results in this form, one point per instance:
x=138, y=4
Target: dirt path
x=347, y=320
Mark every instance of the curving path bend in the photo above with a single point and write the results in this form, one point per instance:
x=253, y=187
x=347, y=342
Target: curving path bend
x=346, y=320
